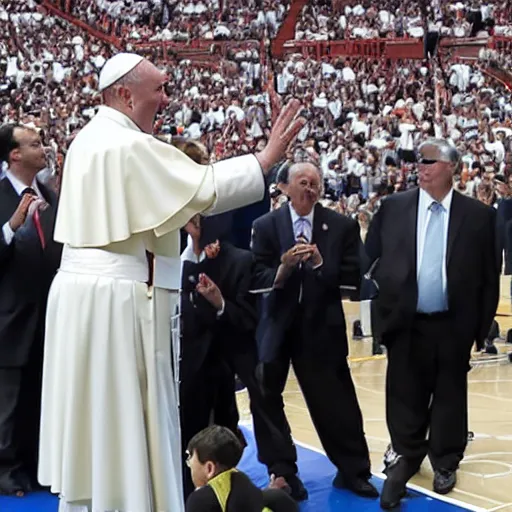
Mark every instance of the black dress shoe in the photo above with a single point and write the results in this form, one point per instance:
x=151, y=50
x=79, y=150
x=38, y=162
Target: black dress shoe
x=444, y=481
x=359, y=486
x=16, y=483
x=295, y=488
x=397, y=475
x=392, y=493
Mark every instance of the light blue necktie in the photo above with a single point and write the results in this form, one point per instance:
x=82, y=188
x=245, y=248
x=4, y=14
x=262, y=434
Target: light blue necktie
x=302, y=228
x=431, y=296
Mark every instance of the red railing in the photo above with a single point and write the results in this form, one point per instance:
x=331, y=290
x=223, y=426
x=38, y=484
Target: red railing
x=389, y=48
x=400, y=48
x=98, y=34
x=396, y=48
x=501, y=43
x=287, y=29
x=220, y=47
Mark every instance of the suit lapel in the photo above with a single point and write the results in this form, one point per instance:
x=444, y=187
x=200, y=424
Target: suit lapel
x=10, y=199
x=320, y=228
x=285, y=228
x=49, y=196
x=411, y=214
x=454, y=225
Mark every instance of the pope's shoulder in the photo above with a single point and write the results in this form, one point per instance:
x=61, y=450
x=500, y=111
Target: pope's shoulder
x=102, y=135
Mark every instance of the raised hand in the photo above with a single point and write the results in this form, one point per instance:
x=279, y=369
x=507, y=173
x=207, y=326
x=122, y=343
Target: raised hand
x=284, y=132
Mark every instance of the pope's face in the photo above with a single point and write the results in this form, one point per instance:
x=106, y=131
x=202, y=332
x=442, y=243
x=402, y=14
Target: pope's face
x=149, y=97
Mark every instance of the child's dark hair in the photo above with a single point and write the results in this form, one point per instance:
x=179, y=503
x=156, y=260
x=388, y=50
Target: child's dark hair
x=218, y=445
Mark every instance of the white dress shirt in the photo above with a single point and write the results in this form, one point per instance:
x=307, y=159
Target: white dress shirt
x=424, y=214
x=19, y=187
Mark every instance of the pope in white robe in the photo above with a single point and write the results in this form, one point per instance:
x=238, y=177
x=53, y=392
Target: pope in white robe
x=110, y=436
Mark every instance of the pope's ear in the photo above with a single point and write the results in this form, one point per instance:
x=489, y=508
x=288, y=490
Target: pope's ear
x=125, y=94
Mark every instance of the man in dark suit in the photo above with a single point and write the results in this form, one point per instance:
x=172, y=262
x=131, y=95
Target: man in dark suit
x=438, y=276
x=218, y=338
x=304, y=253
x=28, y=261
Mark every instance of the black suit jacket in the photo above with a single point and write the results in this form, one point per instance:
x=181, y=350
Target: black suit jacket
x=202, y=328
x=504, y=222
x=322, y=318
x=26, y=273
x=473, y=265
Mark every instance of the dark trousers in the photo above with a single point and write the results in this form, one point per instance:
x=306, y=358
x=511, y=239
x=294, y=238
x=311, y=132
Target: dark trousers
x=426, y=391
x=202, y=400
x=332, y=403
x=20, y=409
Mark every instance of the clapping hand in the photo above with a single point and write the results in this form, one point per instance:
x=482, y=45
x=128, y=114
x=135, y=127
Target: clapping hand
x=297, y=254
x=315, y=257
x=212, y=250
x=210, y=291
x=36, y=205
x=19, y=216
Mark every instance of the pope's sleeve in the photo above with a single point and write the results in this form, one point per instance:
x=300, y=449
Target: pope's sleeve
x=135, y=183
x=173, y=178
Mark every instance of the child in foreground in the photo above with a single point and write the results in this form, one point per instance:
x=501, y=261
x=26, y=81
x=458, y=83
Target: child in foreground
x=212, y=457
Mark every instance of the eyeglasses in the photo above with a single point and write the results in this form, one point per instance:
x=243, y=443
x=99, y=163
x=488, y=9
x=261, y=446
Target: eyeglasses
x=426, y=161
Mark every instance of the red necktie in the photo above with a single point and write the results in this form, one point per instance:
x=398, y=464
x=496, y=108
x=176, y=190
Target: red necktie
x=37, y=219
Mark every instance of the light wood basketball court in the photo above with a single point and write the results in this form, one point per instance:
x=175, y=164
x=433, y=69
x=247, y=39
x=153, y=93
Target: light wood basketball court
x=485, y=475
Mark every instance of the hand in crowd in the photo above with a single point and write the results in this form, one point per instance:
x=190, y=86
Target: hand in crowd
x=210, y=291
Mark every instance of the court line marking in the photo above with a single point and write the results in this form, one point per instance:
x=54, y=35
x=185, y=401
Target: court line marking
x=470, y=381
x=422, y=490
x=500, y=507
x=426, y=492
x=370, y=390
x=417, y=487
x=495, y=397
x=489, y=381
x=486, y=476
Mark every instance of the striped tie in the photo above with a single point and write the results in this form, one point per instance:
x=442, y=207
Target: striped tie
x=302, y=230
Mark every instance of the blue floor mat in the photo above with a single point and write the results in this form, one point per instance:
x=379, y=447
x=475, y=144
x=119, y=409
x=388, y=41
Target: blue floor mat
x=316, y=471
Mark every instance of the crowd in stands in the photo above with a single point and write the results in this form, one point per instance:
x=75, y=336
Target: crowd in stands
x=365, y=126
x=321, y=20
x=183, y=20
x=365, y=117
x=50, y=74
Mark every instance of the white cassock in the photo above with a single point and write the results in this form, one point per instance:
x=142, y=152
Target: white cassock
x=110, y=435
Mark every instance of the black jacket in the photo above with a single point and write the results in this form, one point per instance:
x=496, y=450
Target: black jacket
x=201, y=327
x=26, y=273
x=322, y=318
x=473, y=265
